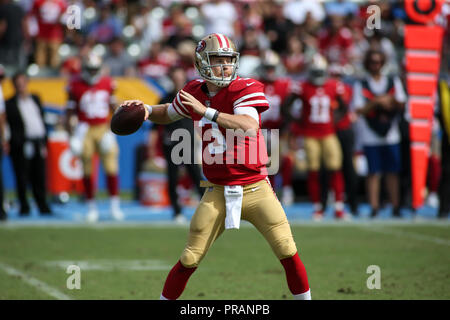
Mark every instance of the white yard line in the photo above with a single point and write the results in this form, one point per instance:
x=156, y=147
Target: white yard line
x=38, y=284
x=111, y=265
x=409, y=235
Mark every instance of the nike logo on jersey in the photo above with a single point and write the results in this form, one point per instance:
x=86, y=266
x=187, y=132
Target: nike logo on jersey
x=249, y=84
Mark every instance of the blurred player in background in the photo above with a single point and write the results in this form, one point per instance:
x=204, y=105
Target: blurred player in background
x=321, y=97
x=276, y=89
x=90, y=102
x=220, y=101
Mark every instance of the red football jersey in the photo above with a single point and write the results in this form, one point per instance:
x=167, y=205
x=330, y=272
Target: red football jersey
x=228, y=160
x=318, y=103
x=92, y=103
x=275, y=92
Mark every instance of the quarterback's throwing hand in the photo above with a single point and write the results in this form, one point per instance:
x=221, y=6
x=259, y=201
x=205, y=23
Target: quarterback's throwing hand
x=191, y=101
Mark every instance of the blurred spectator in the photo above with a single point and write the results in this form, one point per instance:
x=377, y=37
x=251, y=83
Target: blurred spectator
x=250, y=43
x=178, y=77
x=48, y=14
x=157, y=64
x=3, y=215
x=27, y=144
x=335, y=42
x=277, y=27
x=341, y=8
x=12, y=35
x=379, y=99
x=87, y=121
x=106, y=27
x=220, y=17
x=176, y=27
x=252, y=46
x=357, y=52
x=295, y=59
x=117, y=61
x=185, y=51
x=297, y=11
x=444, y=117
x=250, y=17
x=72, y=65
x=148, y=25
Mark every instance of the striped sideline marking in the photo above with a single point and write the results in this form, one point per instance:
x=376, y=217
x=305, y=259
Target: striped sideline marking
x=410, y=235
x=38, y=284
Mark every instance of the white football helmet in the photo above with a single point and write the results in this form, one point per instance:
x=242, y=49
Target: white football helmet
x=270, y=62
x=91, y=68
x=318, y=70
x=216, y=44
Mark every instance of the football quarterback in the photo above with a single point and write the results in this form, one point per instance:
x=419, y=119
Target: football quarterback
x=226, y=108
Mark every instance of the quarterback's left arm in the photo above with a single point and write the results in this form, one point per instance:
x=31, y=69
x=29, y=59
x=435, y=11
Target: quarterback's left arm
x=244, y=122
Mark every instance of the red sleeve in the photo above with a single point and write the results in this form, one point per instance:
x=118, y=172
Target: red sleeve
x=250, y=93
x=180, y=108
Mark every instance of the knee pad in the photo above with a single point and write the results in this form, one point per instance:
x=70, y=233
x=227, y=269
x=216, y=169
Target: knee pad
x=285, y=248
x=108, y=143
x=189, y=259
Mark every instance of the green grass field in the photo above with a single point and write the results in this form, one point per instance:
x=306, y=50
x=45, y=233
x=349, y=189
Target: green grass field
x=131, y=262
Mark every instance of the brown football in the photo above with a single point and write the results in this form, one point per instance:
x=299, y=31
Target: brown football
x=127, y=119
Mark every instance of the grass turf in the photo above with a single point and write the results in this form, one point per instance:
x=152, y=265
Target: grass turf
x=414, y=262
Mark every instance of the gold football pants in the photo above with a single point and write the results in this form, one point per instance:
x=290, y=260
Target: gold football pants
x=327, y=148
x=260, y=207
x=99, y=139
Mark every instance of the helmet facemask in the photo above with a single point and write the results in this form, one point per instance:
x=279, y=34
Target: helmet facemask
x=206, y=68
x=91, y=69
x=318, y=70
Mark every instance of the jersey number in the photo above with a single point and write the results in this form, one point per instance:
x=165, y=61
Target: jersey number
x=320, y=109
x=219, y=145
x=95, y=104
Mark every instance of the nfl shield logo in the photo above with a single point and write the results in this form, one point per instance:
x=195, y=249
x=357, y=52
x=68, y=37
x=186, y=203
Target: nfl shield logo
x=208, y=103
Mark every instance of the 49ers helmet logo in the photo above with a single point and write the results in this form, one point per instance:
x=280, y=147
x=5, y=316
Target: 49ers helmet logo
x=200, y=46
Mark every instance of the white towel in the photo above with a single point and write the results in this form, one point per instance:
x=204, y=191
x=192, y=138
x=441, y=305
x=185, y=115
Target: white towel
x=233, y=202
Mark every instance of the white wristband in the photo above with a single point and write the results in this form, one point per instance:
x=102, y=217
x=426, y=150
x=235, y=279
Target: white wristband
x=209, y=113
x=149, y=109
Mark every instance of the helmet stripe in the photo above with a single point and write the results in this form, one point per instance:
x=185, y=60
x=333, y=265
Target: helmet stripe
x=220, y=40
x=226, y=40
